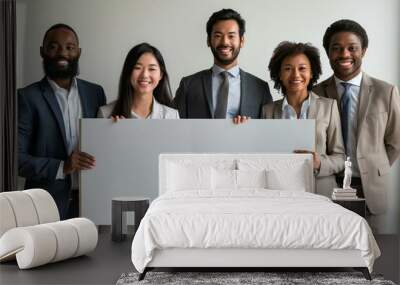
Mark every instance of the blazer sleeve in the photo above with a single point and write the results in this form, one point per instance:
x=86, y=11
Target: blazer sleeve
x=102, y=98
x=31, y=167
x=392, y=132
x=333, y=161
x=179, y=101
x=267, y=95
x=268, y=111
x=100, y=113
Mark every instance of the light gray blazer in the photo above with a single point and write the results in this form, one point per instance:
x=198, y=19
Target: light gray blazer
x=328, y=136
x=159, y=111
x=378, y=135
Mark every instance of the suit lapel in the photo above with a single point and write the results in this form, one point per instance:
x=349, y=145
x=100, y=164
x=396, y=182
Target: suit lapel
x=331, y=90
x=313, y=109
x=157, y=110
x=277, y=113
x=243, y=93
x=84, y=99
x=364, y=101
x=50, y=98
x=207, y=87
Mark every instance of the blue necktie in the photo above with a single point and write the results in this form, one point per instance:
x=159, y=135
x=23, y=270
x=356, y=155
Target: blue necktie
x=345, y=104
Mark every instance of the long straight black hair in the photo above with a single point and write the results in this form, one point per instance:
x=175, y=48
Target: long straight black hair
x=162, y=92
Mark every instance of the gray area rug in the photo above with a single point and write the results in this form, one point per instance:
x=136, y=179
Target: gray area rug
x=243, y=278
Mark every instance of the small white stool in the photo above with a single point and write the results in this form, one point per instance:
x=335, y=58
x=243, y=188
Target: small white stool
x=139, y=205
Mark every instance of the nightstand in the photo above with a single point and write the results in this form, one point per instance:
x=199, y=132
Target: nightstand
x=355, y=205
x=139, y=205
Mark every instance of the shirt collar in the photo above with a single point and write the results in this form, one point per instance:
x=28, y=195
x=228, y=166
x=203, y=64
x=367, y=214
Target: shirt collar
x=304, y=106
x=354, y=81
x=57, y=88
x=155, y=109
x=234, y=71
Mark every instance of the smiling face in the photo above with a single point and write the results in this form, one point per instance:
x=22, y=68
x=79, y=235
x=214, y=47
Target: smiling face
x=146, y=75
x=345, y=55
x=225, y=43
x=295, y=74
x=60, y=53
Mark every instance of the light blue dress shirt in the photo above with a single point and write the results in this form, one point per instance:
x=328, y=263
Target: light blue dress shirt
x=288, y=111
x=233, y=106
x=71, y=109
x=351, y=145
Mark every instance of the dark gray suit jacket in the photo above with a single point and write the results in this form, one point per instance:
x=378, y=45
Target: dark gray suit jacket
x=42, y=142
x=193, y=98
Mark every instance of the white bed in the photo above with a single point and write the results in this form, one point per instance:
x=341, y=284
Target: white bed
x=247, y=210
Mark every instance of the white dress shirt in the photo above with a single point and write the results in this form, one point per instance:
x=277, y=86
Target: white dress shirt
x=158, y=111
x=71, y=109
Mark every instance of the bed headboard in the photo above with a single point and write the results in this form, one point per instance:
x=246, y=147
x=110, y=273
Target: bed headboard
x=284, y=163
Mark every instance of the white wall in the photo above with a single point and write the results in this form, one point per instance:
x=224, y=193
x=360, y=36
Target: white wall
x=108, y=29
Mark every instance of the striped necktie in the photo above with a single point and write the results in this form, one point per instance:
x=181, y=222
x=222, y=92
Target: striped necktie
x=222, y=98
x=345, y=105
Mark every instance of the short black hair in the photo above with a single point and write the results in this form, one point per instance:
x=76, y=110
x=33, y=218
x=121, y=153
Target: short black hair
x=226, y=14
x=60, y=26
x=285, y=49
x=345, y=25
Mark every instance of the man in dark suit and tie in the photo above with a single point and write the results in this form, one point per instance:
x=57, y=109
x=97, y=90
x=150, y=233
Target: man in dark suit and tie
x=48, y=121
x=225, y=90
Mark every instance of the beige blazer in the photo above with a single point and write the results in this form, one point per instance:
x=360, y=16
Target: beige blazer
x=328, y=138
x=159, y=111
x=378, y=135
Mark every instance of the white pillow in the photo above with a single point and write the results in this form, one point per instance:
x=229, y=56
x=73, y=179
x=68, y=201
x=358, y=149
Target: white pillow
x=188, y=177
x=282, y=173
x=292, y=179
x=224, y=179
x=251, y=178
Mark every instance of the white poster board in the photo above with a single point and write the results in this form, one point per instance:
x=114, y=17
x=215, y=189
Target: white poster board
x=127, y=152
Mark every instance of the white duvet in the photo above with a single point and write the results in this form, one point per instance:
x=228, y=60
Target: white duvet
x=251, y=218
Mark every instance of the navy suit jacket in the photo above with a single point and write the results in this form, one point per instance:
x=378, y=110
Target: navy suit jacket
x=42, y=141
x=193, y=98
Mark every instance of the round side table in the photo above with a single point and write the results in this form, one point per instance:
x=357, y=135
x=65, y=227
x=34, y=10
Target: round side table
x=139, y=205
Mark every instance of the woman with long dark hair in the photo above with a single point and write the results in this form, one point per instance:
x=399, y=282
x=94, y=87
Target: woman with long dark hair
x=144, y=90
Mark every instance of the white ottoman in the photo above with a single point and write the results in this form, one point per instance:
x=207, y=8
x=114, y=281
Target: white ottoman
x=31, y=232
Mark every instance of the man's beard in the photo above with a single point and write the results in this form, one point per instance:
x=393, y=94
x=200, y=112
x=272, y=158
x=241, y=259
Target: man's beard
x=235, y=54
x=54, y=71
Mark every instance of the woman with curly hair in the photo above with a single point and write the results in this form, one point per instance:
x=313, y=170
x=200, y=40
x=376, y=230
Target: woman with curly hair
x=295, y=69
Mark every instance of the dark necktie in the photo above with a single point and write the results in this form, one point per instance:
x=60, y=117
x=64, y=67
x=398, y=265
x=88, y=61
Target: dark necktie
x=345, y=104
x=222, y=97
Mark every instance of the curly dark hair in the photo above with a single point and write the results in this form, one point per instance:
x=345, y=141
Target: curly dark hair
x=226, y=14
x=345, y=25
x=285, y=49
